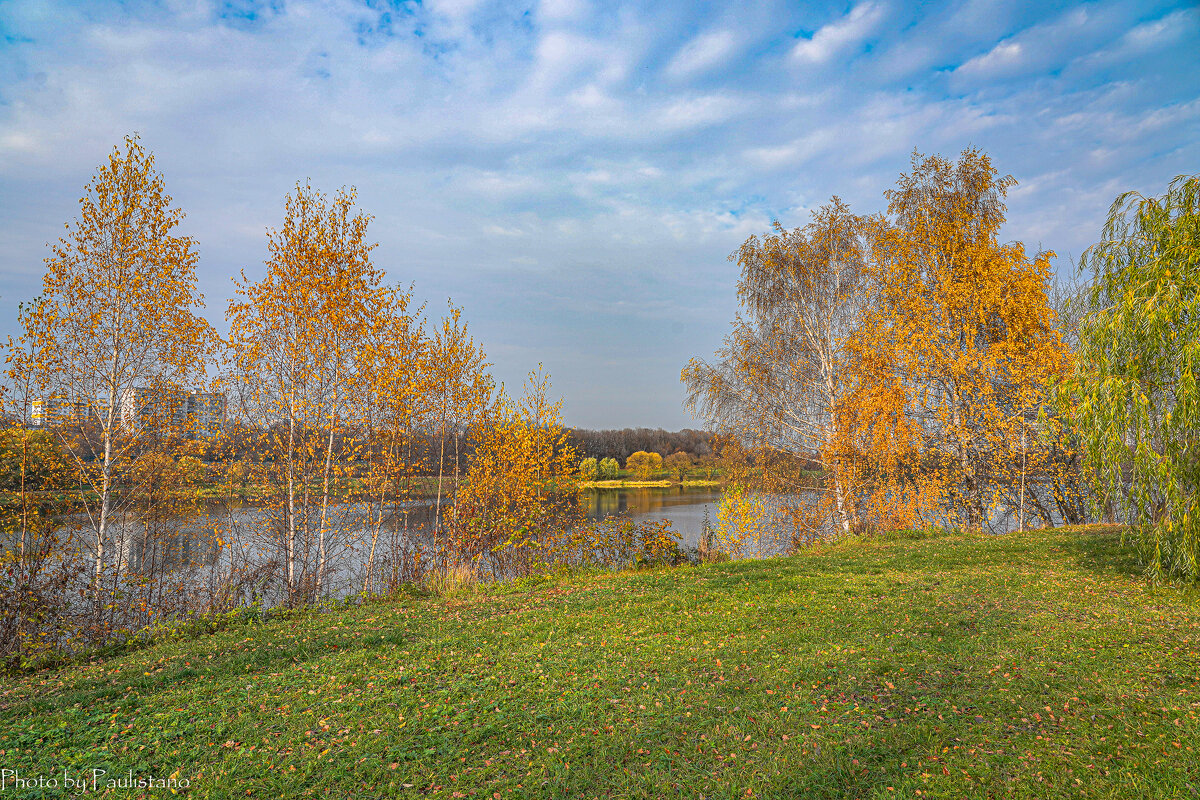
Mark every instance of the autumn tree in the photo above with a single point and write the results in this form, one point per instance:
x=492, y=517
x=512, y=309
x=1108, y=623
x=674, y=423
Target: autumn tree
x=777, y=382
x=589, y=470
x=36, y=562
x=459, y=389
x=116, y=317
x=953, y=356
x=296, y=338
x=607, y=469
x=678, y=463
x=387, y=411
x=1047, y=478
x=520, y=495
x=1134, y=397
x=643, y=464
x=164, y=497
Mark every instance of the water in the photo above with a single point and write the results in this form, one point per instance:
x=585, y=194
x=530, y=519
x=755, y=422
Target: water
x=219, y=540
x=193, y=542
x=683, y=506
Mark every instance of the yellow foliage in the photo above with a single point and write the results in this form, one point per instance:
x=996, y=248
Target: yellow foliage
x=747, y=524
x=643, y=464
x=520, y=495
x=952, y=358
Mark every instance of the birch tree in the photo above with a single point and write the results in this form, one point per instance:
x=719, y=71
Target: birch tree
x=520, y=495
x=116, y=315
x=777, y=382
x=952, y=361
x=386, y=411
x=460, y=390
x=296, y=337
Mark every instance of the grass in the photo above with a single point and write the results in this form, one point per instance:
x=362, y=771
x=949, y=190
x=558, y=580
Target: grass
x=628, y=483
x=1039, y=665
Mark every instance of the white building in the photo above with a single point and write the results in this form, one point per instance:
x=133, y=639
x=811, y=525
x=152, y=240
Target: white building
x=205, y=412
x=52, y=411
x=192, y=414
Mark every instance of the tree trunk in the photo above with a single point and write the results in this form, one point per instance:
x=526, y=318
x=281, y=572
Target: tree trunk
x=290, y=533
x=437, y=508
x=324, y=512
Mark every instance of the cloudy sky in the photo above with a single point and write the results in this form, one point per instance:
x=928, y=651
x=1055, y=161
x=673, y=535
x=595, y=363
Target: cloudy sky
x=576, y=173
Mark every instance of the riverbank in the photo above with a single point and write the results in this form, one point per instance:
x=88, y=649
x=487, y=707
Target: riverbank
x=422, y=487
x=1034, y=665
x=633, y=483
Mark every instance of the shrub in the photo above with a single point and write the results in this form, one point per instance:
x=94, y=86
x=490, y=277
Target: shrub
x=642, y=464
x=618, y=542
x=589, y=470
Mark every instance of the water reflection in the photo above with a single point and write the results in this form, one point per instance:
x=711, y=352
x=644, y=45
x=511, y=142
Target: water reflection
x=685, y=507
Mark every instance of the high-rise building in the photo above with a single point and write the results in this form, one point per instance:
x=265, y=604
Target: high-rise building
x=188, y=414
x=155, y=409
x=58, y=410
x=205, y=413
x=191, y=414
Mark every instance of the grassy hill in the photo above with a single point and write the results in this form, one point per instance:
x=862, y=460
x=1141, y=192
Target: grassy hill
x=1038, y=665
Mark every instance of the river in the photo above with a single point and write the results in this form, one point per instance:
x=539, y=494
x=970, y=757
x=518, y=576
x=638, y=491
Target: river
x=684, y=507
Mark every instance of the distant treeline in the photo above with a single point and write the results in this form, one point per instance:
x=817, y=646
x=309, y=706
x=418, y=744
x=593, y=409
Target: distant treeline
x=241, y=441
x=620, y=444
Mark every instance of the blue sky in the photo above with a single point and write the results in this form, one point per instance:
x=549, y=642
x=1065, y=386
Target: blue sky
x=574, y=173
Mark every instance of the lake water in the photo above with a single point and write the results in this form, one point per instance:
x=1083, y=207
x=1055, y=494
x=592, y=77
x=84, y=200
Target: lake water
x=204, y=554
x=684, y=507
x=192, y=541
x=220, y=540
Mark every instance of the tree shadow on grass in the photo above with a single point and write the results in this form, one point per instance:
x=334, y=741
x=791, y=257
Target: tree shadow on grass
x=235, y=652
x=1104, y=553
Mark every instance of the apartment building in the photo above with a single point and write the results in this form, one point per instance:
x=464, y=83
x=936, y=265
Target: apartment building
x=191, y=414
x=51, y=411
x=194, y=414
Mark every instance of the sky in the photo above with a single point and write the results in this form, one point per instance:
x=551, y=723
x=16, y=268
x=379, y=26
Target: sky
x=575, y=174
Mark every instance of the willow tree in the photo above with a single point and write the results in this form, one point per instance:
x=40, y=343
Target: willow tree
x=116, y=315
x=953, y=358
x=1134, y=396
x=777, y=382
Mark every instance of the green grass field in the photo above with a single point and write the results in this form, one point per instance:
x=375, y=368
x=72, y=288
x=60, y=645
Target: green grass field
x=1038, y=665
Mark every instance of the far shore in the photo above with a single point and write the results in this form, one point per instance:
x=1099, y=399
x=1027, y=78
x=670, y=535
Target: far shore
x=621, y=483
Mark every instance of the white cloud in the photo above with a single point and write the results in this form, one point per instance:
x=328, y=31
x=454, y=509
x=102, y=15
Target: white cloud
x=697, y=112
x=17, y=143
x=563, y=10
x=453, y=16
x=1004, y=57
x=492, y=185
x=567, y=141
x=564, y=58
x=706, y=51
x=1170, y=28
x=840, y=35
x=498, y=230
x=794, y=152
x=1046, y=45
x=1146, y=38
